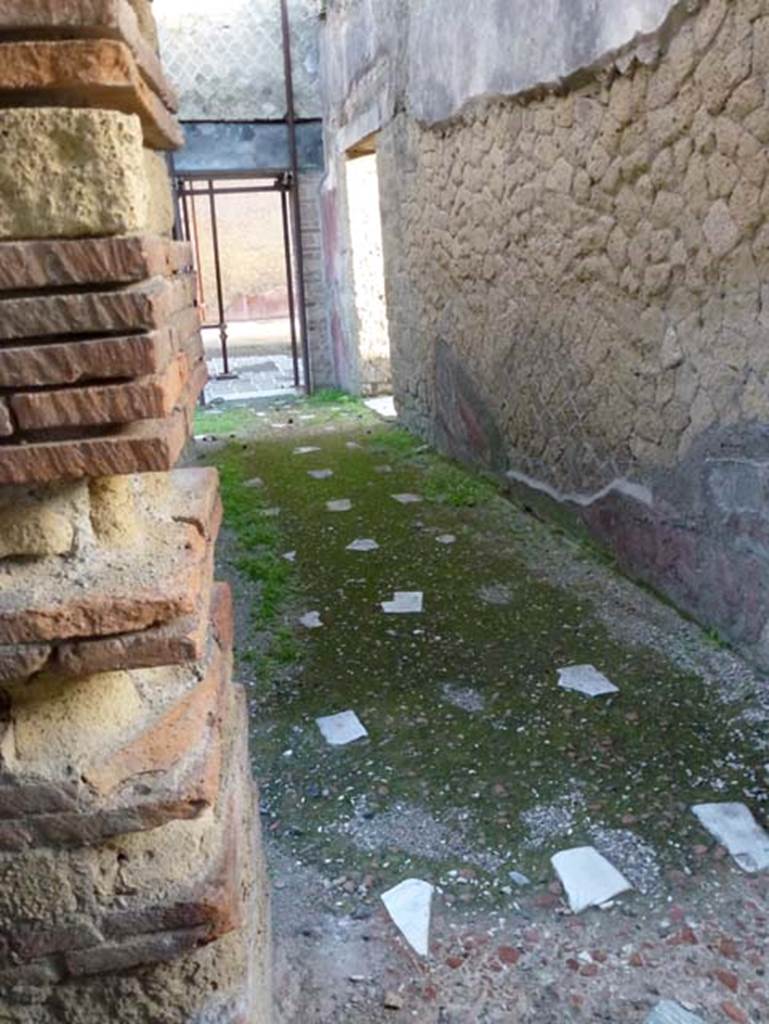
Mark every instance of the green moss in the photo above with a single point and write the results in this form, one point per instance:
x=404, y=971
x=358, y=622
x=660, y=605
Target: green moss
x=395, y=442
x=332, y=396
x=665, y=741
x=448, y=484
x=257, y=557
x=230, y=420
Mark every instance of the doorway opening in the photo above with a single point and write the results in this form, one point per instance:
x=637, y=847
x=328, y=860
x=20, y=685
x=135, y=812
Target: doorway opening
x=241, y=237
x=362, y=181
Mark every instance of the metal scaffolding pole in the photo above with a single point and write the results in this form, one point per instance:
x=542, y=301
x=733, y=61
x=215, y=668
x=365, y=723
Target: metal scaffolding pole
x=290, y=284
x=295, y=200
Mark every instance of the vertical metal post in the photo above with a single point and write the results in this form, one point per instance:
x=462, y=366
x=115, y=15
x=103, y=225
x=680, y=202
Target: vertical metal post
x=178, y=229
x=290, y=282
x=200, y=284
x=295, y=201
x=219, y=287
x=185, y=211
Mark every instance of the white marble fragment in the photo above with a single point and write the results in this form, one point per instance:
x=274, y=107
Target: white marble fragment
x=320, y=474
x=305, y=450
x=446, y=538
x=585, y=679
x=340, y=505
x=290, y=556
x=409, y=905
x=735, y=828
x=363, y=544
x=519, y=879
x=382, y=405
x=588, y=878
x=668, y=1012
x=404, y=602
x=339, y=730
x=407, y=499
x=311, y=620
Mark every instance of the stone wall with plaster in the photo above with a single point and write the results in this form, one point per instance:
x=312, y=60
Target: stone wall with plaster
x=576, y=256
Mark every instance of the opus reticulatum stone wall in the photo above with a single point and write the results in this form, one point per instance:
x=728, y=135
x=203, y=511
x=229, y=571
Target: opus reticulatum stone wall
x=131, y=880
x=577, y=285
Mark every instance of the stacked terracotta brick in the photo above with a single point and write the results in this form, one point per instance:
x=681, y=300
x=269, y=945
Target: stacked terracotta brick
x=131, y=886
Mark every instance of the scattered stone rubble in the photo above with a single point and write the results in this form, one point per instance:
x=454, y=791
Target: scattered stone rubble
x=131, y=880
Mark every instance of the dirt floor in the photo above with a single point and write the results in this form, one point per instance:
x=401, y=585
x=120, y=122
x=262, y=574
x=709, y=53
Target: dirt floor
x=476, y=764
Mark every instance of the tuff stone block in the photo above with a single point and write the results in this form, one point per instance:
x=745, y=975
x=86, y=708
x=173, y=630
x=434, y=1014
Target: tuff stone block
x=35, y=522
x=168, y=767
x=98, y=73
x=225, y=979
x=160, y=203
x=98, y=593
x=6, y=422
x=72, y=173
x=39, y=530
x=117, y=898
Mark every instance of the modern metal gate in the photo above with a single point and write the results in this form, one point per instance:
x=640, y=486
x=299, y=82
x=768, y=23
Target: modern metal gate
x=191, y=188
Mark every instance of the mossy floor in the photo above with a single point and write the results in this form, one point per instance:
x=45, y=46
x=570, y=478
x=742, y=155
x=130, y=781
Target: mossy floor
x=477, y=764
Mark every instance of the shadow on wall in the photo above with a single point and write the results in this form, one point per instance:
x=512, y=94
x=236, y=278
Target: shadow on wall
x=465, y=428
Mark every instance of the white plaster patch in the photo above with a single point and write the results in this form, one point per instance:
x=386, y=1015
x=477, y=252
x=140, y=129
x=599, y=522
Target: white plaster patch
x=585, y=679
x=668, y=1012
x=320, y=474
x=588, y=878
x=340, y=505
x=627, y=488
x=339, y=730
x=495, y=593
x=383, y=405
x=311, y=620
x=407, y=499
x=463, y=697
x=409, y=906
x=363, y=544
x=519, y=879
x=404, y=602
x=735, y=828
